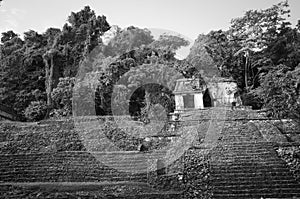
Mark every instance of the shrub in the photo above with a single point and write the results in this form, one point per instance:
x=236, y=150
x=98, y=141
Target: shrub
x=24, y=98
x=291, y=155
x=62, y=97
x=36, y=111
x=251, y=99
x=196, y=175
x=280, y=91
x=120, y=138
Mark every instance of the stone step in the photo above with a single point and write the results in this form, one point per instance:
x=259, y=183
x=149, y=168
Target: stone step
x=243, y=151
x=275, y=185
x=74, y=175
x=241, y=139
x=88, y=190
x=266, y=190
x=251, y=144
x=253, y=163
x=90, y=156
x=44, y=168
x=254, y=150
x=66, y=162
x=250, y=172
x=73, y=169
x=243, y=165
x=235, y=164
x=70, y=168
x=223, y=184
x=244, y=147
x=248, y=169
x=250, y=179
x=48, y=162
x=249, y=158
x=237, y=176
x=246, y=159
x=75, y=179
x=80, y=171
x=80, y=178
x=75, y=166
x=257, y=195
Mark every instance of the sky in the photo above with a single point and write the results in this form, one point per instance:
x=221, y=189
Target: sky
x=187, y=17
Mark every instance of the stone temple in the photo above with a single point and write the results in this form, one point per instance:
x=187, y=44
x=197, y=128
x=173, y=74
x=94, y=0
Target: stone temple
x=194, y=93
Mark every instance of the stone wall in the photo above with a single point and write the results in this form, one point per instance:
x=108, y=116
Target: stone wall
x=222, y=92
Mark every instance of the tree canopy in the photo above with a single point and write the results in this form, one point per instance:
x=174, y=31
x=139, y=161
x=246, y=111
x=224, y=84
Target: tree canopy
x=260, y=50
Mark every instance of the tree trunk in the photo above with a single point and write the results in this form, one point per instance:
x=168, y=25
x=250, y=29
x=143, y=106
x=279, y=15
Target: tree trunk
x=145, y=110
x=52, y=78
x=147, y=100
x=246, y=71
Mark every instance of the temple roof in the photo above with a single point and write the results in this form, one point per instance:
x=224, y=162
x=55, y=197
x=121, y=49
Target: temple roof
x=196, y=85
x=188, y=86
x=219, y=79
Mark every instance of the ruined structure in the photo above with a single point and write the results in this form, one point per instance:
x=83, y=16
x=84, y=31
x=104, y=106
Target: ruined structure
x=195, y=93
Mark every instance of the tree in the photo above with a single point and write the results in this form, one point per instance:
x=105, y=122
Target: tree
x=110, y=70
x=22, y=70
x=11, y=67
x=38, y=61
x=62, y=97
x=155, y=83
x=9, y=35
x=280, y=91
x=241, y=51
x=200, y=58
x=71, y=46
x=169, y=42
x=127, y=40
x=256, y=29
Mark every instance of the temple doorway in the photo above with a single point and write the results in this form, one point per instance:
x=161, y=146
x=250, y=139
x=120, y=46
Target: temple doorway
x=188, y=101
x=207, y=101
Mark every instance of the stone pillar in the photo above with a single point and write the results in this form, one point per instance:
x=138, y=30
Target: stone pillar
x=179, y=105
x=198, y=99
x=231, y=98
x=161, y=167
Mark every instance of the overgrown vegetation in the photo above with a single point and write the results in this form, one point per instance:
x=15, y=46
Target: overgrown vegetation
x=291, y=155
x=260, y=51
x=18, y=138
x=196, y=175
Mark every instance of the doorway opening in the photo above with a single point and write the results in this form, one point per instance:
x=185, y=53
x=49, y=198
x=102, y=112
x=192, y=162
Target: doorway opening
x=188, y=101
x=207, y=101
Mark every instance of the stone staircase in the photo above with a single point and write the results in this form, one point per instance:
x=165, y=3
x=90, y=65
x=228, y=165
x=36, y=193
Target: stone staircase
x=92, y=173
x=244, y=165
x=72, y=166
x=71, y=172
x=243, y=162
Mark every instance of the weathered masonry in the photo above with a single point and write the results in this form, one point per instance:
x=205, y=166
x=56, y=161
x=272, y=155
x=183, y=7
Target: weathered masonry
x=193, y=94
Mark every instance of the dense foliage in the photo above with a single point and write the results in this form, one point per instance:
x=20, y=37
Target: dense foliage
x=38, y=71
x=35, y=64
x=48, y=137
x=260, y=50
x=196, y=175
x=291, y=155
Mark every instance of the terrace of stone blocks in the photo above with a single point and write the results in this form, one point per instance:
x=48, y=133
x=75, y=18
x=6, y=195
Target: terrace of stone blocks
x=234, y=154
